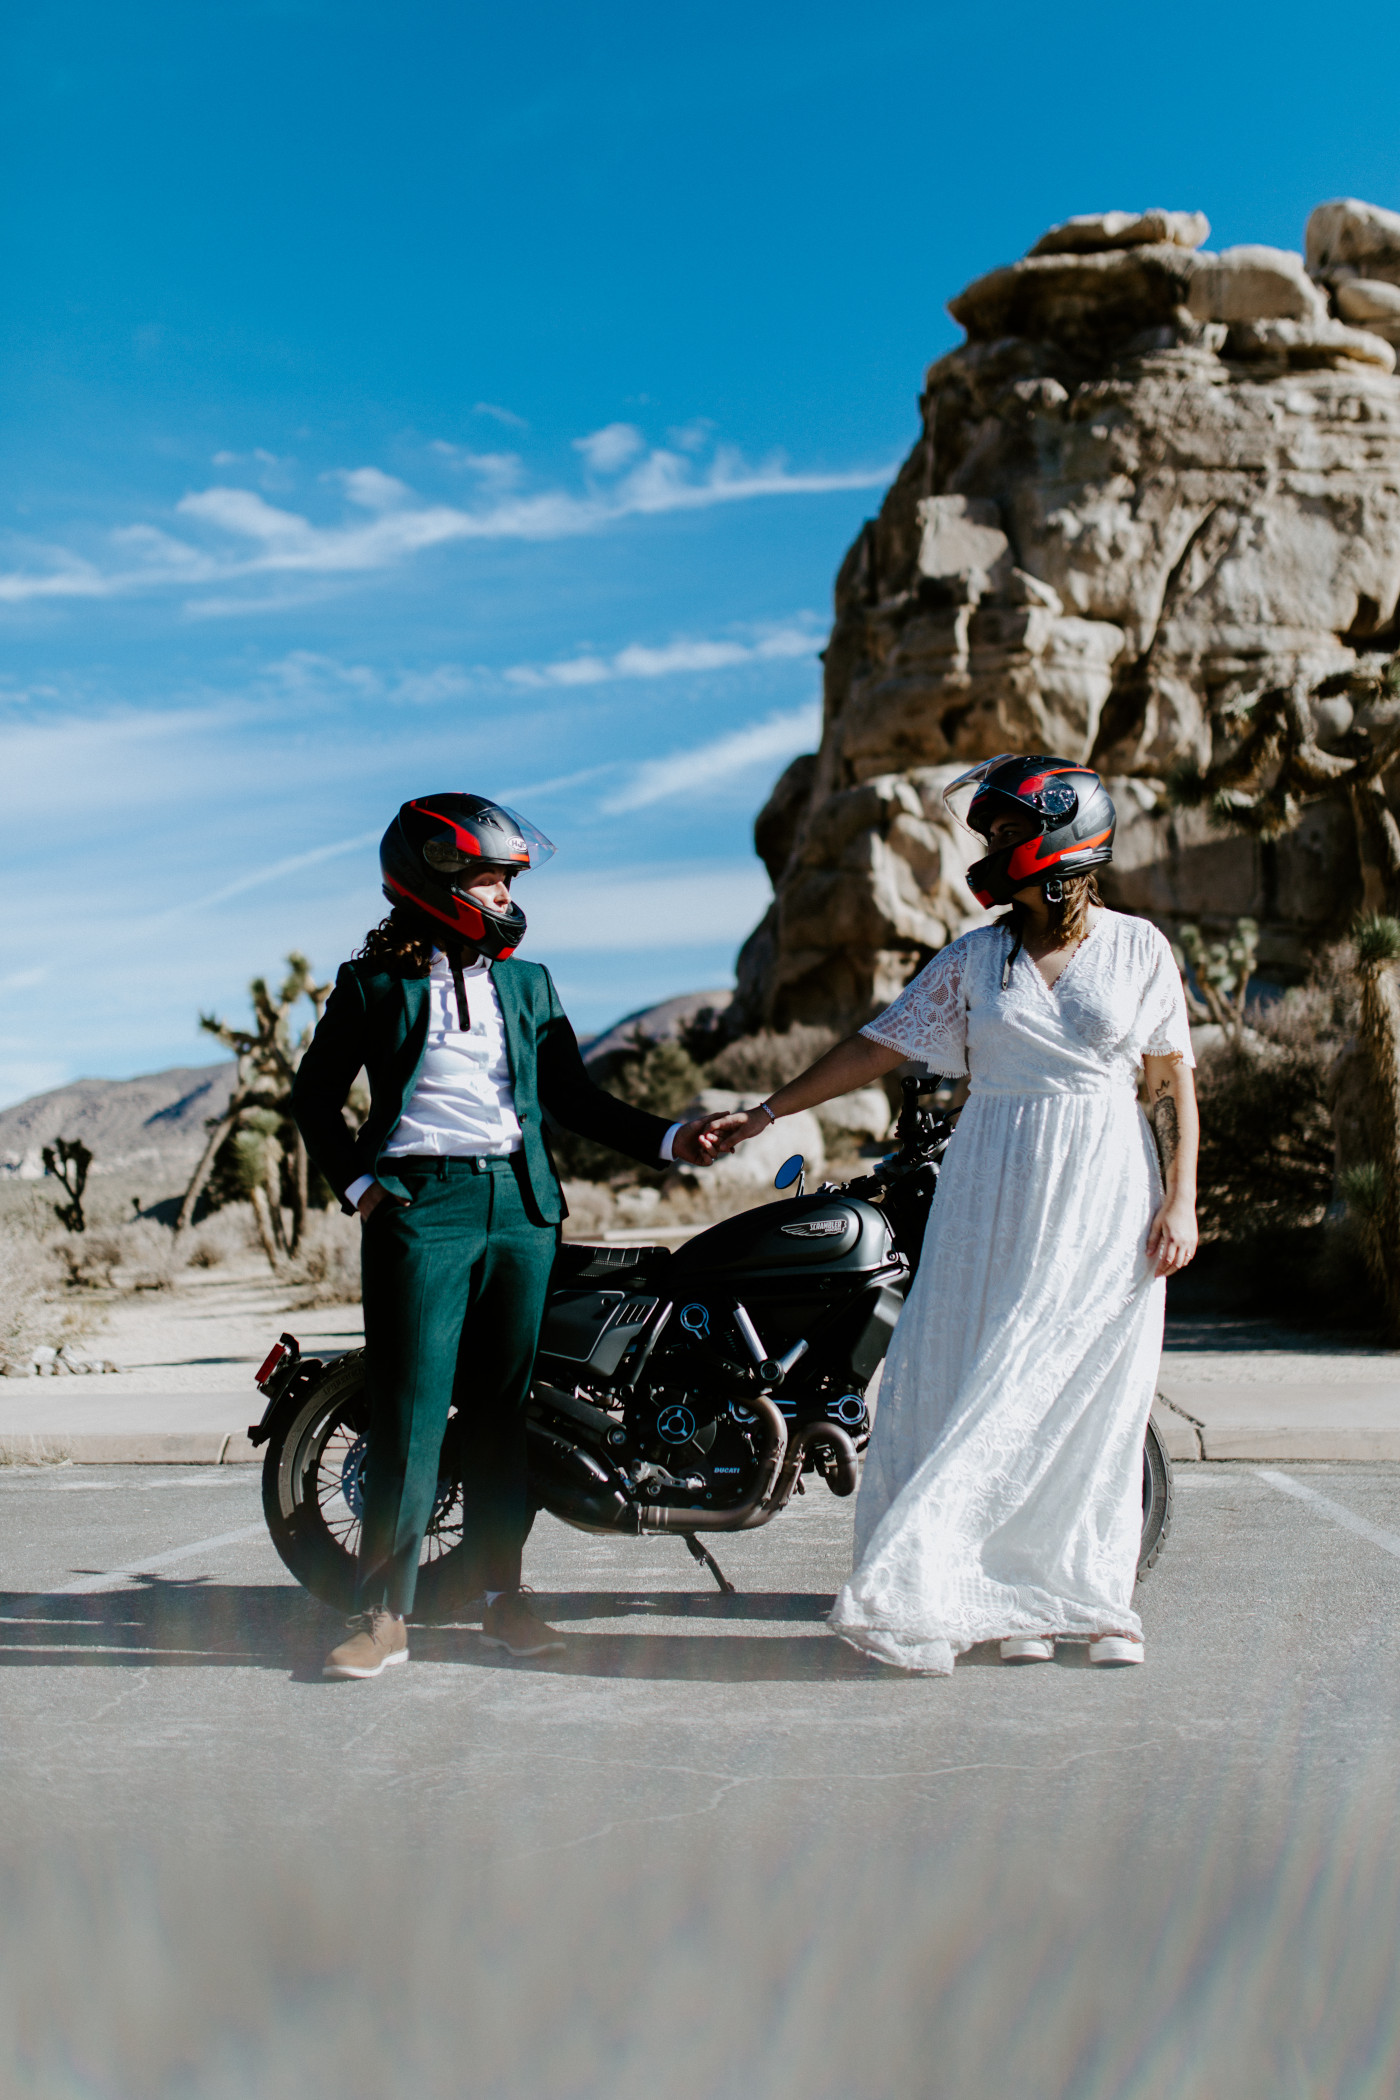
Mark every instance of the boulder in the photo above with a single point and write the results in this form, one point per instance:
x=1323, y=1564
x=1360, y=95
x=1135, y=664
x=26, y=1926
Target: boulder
x=1091, y=302
x=1371, y=303
x=961, y=541
x=862, y=1114
x=1252, y=283
x=1093, y=231
x=776, y=826
x=1309, y=345
x=1346, y=238
x=1124, y=520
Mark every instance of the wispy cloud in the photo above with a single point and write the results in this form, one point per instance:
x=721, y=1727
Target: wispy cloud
x=229, y=535
x=727, y=758
x=497, y=470
x=507, y=416
x=276, y=871
x=675, y=658
x=608, y=450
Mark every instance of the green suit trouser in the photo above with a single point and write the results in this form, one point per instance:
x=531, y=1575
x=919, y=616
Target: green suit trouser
x=454, y=1287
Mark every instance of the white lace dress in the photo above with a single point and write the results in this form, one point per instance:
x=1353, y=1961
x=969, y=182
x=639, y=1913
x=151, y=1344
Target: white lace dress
x=1003, y=1486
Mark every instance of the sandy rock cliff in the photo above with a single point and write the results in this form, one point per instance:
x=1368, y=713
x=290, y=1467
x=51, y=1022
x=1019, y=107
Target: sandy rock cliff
x=1154, y=483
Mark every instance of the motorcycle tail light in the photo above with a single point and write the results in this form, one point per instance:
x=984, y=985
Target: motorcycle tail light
x=274, y=1357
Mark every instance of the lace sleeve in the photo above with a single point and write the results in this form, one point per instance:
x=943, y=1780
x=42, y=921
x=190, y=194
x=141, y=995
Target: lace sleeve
x=928, y=1020
x=1164, y=1029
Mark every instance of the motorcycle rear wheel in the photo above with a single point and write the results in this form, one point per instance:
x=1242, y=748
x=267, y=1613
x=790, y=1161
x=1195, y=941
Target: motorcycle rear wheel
x=311, y=1494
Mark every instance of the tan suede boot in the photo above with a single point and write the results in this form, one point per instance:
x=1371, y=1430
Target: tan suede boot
x=377, y=1639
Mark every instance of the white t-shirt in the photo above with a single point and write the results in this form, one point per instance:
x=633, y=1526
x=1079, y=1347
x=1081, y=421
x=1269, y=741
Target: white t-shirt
x=463, y=1105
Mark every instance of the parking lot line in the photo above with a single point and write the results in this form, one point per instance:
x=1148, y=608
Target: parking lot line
x=88, y=1585
x=1388, y=1541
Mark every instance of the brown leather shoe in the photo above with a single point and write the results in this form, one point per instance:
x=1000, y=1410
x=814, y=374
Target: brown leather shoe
x=509, y=1623
x=377, y=1639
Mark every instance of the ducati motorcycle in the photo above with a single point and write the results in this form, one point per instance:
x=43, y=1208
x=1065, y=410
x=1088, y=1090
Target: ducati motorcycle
x=687, y=1391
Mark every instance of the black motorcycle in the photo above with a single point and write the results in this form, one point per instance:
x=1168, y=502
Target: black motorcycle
x=686, y=1391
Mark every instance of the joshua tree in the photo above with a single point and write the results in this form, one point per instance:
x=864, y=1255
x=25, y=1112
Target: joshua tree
x=1222, y=970
x=68, y=1160
x=258, y=1115
x=1276, y=765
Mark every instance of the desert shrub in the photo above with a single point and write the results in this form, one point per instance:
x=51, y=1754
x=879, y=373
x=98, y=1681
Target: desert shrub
x=1268, y=1173
x=225, y=1235
x=758, y=1064
x=29, y=1276
x=325, y=1269
x=1266, y=1132
x=662, y=1078
x=591, y=1210
x=139, y=1256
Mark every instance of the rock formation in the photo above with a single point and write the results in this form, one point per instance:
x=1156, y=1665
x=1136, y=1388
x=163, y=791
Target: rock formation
x=1153, y=486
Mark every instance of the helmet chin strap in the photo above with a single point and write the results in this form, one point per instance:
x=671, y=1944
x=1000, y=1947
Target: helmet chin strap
x=454, y=963
x=1054, y=890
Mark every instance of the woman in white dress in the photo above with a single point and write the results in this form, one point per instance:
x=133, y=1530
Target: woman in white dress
x=1001, y=1498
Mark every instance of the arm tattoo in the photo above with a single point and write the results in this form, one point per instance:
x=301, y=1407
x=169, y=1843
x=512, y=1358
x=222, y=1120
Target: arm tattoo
x=1167, y=1129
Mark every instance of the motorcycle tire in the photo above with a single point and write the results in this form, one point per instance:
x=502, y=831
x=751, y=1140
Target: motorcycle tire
x=311, y=1497
x=1157, y=1496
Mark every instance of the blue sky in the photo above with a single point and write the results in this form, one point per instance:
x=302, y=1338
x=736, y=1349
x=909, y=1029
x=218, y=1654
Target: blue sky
x=427, y=396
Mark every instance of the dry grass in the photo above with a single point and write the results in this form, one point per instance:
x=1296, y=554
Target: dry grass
x=326, y=1267
x=30, y=1316
x=758, y=1064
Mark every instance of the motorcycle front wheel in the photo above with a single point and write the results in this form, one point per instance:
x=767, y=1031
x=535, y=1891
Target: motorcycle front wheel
x=1157, y=1493
x=313, y=1501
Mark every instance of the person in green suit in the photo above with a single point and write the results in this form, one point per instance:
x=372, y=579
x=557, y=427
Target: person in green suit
x=467, y=1051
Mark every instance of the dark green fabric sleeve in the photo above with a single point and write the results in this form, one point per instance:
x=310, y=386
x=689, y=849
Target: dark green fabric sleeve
x=329, y=1067
x=569, y=1096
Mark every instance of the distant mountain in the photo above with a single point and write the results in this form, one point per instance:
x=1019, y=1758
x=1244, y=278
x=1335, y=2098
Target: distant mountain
x=651, y=1024
x=159, y=1119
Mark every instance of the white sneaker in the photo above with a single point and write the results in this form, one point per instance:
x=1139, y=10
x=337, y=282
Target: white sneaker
x=1114, y=1648
x=1025, y=1650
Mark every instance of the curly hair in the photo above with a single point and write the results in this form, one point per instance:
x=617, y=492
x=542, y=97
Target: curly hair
x=404, y=940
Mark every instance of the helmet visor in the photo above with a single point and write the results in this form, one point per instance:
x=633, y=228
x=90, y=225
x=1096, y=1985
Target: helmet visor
x=959, y=793
x=539, y=848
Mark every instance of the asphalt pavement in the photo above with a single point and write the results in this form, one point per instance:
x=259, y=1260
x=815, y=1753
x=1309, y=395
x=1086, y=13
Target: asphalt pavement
x=709, y=1850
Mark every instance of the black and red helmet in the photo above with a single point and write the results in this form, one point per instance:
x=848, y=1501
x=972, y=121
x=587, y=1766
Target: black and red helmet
x=437, y=844
x=1074, y=817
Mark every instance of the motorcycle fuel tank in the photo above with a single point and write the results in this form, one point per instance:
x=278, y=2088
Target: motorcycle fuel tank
x=831, y=1235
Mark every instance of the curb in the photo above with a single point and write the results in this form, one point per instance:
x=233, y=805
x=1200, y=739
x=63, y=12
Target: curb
x=132, y=1448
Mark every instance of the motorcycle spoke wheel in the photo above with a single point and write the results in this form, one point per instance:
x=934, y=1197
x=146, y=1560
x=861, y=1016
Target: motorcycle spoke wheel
x=313, y=1501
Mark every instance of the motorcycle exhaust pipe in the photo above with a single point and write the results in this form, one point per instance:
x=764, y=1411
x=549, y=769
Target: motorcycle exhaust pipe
x=761, y=1504
x=847, y=1473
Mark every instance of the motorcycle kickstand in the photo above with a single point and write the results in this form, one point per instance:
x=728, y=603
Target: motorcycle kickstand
x=707, y=1560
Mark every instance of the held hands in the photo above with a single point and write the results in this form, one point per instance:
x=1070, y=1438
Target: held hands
x=1173, y=1238
x=696, y=1143
x=737, y=1126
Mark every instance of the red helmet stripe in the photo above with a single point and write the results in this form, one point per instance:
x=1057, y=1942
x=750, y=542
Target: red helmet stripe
x=1025, y=865
x=467, y=920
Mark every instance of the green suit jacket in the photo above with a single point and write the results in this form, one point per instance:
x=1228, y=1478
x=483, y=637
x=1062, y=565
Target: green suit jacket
x=377, y=1019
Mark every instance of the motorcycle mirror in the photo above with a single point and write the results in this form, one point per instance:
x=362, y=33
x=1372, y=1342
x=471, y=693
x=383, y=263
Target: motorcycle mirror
x=788, y=1172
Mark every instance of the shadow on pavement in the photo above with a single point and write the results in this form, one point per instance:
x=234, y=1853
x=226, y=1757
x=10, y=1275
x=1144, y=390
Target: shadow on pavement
x=204, y=1625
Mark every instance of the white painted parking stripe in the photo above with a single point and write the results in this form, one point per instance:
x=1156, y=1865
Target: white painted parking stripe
x=1388, y=1541
x=88, y=1585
